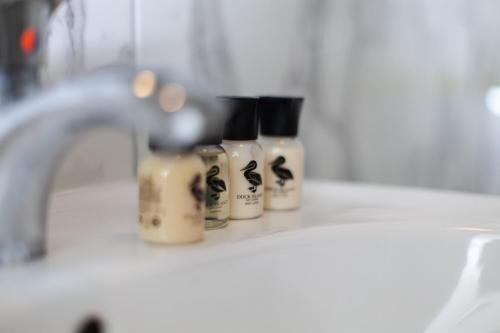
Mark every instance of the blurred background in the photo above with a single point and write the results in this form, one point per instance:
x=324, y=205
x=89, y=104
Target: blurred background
x=402, y=92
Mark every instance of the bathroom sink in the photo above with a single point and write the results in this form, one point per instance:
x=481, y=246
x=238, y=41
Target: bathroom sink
x=353, y=259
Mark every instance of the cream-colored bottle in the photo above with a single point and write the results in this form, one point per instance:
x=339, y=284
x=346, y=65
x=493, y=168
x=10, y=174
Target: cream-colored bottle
x=217, y=176
x=284, y=153
x=171, y=197
x=246, y=158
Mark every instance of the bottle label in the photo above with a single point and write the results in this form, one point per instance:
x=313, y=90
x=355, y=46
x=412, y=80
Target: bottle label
x=151, y=206
x=250, y=199
x=254, y=180
x=198, y=194
x=217, y=194
x=149, y=203
x=215, y=187
x=283, y=176
x=197, y=191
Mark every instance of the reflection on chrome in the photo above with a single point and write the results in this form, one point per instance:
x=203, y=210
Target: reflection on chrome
x=144, y=84
x=192, y=122
x=465, y=298
x=172, y=97
x=492, y=100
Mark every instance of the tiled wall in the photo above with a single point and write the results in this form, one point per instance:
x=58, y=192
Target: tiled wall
x=395, y=88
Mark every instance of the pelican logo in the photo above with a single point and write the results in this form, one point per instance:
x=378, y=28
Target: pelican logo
x=197, y=191
x=281, y=172
x=252, y=177
x=215, y=184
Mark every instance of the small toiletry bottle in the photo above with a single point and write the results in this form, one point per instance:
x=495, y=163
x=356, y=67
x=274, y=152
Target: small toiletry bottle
x=217, y=176
x=171, y=197
x=284, y=154
x=246, y=158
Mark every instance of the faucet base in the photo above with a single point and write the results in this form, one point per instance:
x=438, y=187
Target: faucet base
x=19, y=252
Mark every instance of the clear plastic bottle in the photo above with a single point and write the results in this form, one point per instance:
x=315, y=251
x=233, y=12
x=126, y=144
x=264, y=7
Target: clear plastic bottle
x=171, y=197
x=284, y=153
x=246, y=158
x=218, y=185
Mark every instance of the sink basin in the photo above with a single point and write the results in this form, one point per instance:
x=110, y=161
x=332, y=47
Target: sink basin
x=353, y=259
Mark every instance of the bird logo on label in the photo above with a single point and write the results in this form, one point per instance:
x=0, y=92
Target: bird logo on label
x=281, y=172
x=252, y=177
x=197, y=191
x=215, y=184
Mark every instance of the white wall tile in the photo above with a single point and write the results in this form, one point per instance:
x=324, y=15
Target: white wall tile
x=395, y=89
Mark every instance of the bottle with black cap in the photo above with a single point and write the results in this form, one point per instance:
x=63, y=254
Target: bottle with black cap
x=246, y=158
x=284, y=153
x=217, y=176
x=171, y=196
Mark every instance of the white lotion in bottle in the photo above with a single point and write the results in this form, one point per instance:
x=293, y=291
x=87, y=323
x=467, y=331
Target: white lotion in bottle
x=171, y=197
x=284, y=153
x=246, y=158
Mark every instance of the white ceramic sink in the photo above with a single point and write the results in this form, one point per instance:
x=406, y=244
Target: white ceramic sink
x=353, y=259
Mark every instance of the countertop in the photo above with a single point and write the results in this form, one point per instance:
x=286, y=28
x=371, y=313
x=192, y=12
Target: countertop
x=92, y=231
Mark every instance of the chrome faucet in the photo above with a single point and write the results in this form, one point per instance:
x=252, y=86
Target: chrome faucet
x=36, y=130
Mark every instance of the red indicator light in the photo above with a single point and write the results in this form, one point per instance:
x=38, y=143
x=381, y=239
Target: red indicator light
x=28, y=40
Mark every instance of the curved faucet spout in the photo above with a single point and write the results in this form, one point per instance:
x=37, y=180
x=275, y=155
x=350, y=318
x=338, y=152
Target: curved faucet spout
x=35, y=133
